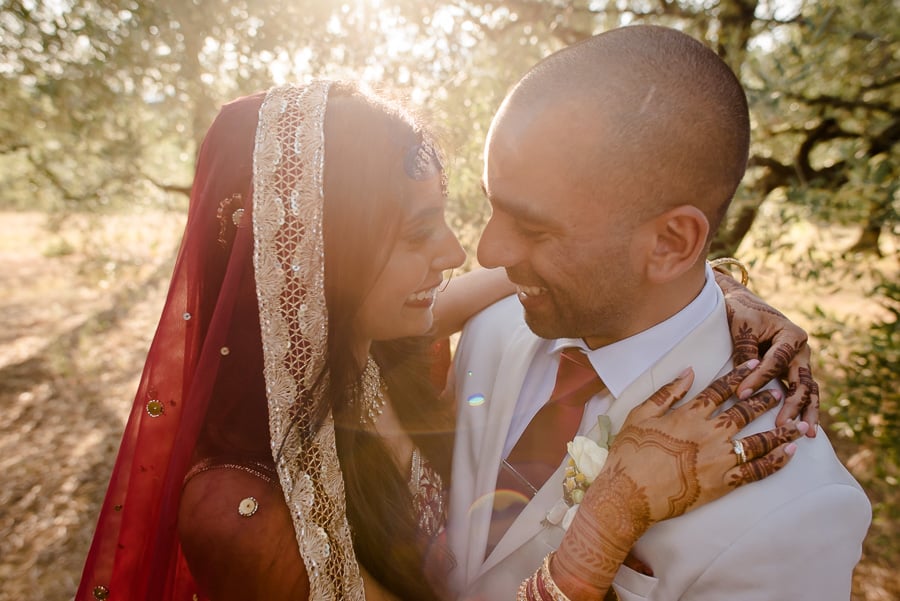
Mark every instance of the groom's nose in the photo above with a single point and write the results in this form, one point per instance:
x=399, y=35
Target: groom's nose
x=498, y=246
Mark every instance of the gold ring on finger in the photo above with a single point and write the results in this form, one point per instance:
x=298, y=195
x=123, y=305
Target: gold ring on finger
x=738, y=448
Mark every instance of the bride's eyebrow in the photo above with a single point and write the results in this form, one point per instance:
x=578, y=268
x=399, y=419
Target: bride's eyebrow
x=423, y=215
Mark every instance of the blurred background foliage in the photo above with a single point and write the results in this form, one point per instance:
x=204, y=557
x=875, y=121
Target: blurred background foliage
x=104, y=102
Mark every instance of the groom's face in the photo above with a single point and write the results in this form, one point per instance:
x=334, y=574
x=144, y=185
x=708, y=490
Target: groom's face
x=559, y=226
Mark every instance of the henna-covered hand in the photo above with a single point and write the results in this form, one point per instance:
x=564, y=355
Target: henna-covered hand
x=684, y=457
x=754, y=326
x=663, y=463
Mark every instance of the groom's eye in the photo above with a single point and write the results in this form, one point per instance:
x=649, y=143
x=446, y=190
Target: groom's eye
x=528, y=231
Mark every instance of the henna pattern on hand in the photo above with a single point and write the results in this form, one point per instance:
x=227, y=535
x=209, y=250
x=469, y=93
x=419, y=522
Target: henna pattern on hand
x=681, y=455
x=762, y=443
x=810, y=390
x=735, y=417
x=792, y=390
x=783, y=354
x=613, y=515
x=814, y=395
x=806, y=379
x=746, y=299
x=743, y=412
x=661, y=397
x=745, y=342
x=770, y=322
x=720, y=389
x=756, y=469
x=813, y=389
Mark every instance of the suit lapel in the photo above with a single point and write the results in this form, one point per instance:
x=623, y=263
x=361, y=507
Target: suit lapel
x=529, y=522
x=501, y=405
x=706, y=349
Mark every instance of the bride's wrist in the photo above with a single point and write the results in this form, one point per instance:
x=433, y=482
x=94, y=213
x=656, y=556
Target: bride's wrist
x=589, y=556
x=610, y=520
x=544, y=586
x=566, y=577
x=614, y=511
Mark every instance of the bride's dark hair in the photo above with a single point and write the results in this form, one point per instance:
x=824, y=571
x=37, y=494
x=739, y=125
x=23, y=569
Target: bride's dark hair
x=365, y=190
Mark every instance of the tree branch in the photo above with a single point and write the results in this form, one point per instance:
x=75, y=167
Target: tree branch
x=886, y=140
x=13, y=147
x=838, y=102
x=883, y=84
x=828, y=129
x=186, y=190
x=55, y=181
x=801, y=171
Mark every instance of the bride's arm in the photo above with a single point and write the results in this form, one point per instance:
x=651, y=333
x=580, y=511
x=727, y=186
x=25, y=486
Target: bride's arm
x=234, y=557
x=465, y=296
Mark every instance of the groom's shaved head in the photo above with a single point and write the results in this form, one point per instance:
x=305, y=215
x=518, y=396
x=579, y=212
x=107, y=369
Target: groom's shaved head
x=641, y=103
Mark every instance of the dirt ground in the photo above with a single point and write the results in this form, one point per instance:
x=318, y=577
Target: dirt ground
x=77, y=313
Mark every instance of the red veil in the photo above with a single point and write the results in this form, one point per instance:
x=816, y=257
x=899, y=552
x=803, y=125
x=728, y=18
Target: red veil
x=207, y=345
x=217, y=385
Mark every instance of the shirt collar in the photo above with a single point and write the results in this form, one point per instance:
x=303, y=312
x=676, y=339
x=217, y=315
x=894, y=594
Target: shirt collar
x=621, y=363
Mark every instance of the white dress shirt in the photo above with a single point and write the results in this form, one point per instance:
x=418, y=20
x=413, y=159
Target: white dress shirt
x=618, y=364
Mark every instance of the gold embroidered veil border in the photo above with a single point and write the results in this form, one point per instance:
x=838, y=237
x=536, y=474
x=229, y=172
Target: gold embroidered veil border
x=288, y=258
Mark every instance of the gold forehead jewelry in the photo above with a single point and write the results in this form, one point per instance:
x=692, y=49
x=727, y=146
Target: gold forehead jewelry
x=421, y=162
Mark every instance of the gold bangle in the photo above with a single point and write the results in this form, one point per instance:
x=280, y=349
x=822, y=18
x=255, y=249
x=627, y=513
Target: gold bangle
x=522, y=593
x=722, y=261
x=549, y=584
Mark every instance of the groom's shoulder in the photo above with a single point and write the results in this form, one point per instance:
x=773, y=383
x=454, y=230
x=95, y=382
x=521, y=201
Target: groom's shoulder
x=486, y=334
x=504, y=316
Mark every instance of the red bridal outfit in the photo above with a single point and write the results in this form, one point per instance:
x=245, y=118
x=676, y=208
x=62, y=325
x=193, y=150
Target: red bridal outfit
x=201, y=337
x=239, y=346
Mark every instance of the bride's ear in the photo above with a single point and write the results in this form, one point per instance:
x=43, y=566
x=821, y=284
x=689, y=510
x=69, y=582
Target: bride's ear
x=675, y=241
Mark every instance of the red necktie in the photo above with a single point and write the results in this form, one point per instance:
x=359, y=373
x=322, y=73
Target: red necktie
x=542, y=446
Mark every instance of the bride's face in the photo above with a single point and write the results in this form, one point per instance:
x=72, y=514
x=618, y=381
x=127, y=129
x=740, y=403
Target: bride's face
x=401, y=300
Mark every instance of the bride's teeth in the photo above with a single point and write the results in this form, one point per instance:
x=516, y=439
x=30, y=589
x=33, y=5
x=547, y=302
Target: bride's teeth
x=423, y=295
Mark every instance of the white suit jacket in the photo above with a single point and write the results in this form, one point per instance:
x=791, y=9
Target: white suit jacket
x=794, y=535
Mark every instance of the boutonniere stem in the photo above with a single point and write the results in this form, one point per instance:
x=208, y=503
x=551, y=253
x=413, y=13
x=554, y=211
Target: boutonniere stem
x=587, y=455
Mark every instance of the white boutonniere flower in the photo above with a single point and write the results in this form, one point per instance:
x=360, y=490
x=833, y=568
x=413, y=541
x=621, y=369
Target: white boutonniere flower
x=586, y=458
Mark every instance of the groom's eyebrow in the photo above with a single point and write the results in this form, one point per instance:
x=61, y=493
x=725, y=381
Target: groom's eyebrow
x=521, y=211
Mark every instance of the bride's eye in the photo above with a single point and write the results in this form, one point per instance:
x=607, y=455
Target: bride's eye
x=419, y=236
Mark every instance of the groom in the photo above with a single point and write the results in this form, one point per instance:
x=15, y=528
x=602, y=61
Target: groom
x=608, y=168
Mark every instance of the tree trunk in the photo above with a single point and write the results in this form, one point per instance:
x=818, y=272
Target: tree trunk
x=727, y=239
x=736, y=18
x=867, y=243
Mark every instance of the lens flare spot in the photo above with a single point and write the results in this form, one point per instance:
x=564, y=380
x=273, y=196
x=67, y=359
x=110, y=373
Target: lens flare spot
x=499, y=503
x=476, y=400
x=469, y=373
x=506, y=499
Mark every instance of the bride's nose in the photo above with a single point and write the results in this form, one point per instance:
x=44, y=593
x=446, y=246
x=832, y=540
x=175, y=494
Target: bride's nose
x=450, y=253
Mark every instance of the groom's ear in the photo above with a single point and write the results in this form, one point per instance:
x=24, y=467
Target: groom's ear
x=676, y=240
